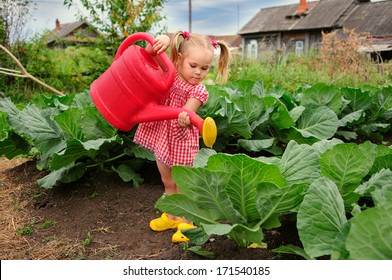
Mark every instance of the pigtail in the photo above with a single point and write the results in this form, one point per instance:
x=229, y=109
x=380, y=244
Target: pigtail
x=223, y=61
x=175, y=47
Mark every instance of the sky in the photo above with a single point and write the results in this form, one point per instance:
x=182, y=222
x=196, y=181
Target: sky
x=214, y=17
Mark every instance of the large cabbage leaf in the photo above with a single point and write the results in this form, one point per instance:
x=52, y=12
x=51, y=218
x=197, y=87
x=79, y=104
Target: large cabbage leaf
x=346, y=165
x=321, y=218
x=371, y=234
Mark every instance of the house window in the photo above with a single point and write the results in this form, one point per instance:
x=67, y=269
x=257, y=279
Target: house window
x=252, y=49
x=299, y=48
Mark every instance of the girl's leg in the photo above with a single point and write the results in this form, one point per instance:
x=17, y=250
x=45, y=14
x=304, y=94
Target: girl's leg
x=167, y=179
x=170, y=185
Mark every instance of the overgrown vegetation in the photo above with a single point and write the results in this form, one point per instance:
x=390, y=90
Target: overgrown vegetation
x=69, y=70
x=337, y=62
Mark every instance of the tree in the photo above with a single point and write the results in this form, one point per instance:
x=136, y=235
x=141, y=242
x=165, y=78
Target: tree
x=119, y=18
x=14, y=15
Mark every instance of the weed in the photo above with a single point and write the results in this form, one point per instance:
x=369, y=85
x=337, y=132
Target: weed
x=24, y=231
x=28, y=229
x=94, y=194
x=47, y=224
x=88, y=240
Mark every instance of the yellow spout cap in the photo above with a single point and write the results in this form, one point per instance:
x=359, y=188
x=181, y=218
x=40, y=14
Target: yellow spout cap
x=209, y=132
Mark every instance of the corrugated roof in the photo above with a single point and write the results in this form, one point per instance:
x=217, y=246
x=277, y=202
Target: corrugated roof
x=375, y=18
x=320, y=14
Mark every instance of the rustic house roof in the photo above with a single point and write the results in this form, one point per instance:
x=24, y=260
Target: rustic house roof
x=273, y=19
x=326, y=14
x=363, y=16
x=372, y=17
x=76, y=32
x=320, y=15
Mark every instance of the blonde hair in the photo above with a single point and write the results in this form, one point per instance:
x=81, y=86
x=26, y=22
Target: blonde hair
x=182, y=40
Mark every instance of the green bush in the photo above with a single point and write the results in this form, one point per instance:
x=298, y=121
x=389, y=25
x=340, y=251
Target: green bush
x=69, y=70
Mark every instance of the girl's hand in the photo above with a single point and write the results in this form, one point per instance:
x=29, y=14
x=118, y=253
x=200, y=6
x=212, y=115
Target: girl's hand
x=183, y=120
x=161, y=43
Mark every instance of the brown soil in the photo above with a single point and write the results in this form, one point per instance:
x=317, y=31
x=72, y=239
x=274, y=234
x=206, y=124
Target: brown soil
x=100, y=217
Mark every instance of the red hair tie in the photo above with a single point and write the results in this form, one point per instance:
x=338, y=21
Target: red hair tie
x=186, y=35
x=213, y=42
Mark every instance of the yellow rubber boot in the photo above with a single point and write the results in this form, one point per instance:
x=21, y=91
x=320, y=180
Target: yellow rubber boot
x=164, y=223
x=178, y=237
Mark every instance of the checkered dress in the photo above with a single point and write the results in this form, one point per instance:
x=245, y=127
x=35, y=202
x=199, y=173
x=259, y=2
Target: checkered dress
x=171, y=144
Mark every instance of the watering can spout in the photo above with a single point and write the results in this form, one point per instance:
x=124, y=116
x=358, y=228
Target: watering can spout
x=127, y=93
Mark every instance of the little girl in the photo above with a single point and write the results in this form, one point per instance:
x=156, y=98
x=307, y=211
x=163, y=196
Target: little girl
x=176, y=142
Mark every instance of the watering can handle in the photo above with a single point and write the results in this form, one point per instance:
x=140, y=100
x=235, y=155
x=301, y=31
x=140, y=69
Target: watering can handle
x=150, y=39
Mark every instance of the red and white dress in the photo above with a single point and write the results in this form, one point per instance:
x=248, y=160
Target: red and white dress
x=171, y=144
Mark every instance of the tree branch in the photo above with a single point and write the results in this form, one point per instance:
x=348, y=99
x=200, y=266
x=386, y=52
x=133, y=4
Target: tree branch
x=23, y=72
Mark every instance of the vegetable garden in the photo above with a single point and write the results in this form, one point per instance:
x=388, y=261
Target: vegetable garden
x=319, y=155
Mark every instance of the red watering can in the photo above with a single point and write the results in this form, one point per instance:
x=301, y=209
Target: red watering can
x=128, y=92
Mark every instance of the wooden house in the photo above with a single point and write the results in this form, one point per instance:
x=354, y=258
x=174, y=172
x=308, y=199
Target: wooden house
x=298, y=28
x=74, y=33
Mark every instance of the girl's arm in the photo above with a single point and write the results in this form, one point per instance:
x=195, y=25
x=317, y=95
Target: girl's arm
x=192, y=105
x=161, y=43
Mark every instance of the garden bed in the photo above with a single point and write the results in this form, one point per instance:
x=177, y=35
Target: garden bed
x=101, y=217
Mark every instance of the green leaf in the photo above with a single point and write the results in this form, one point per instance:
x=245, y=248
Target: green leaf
x=359, y=100
x=249, y=105
x=8, y=107
x=272, y=202
x=256, y=145
x=258, y=88
x=66, y=174
x=376, y=181
x=346, y=164
x=197, y=235
x=95, y=126
x=299, y=163
x=348, y=135
x=39, y=126
x=202, y=157
x=296, y=112
x=321, y=217
x=371, y=234
x=181, y=206
x=351, y=118
x=14, y=145
x=291, y=249
x=238, y=123
x=4, y=127
x=320, y=122
x=70, y=122
x=281, y=117
x=383, y=195
x=369, y=128
x=77, y=149
x=197, y=250
x=321, y=146
x=208, y=189
x=140, y=152
x=127, y=174
x=323, y=95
